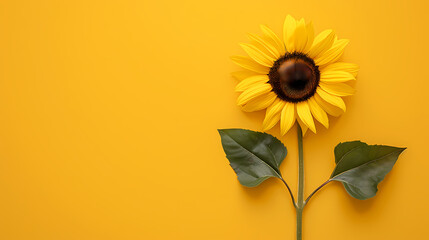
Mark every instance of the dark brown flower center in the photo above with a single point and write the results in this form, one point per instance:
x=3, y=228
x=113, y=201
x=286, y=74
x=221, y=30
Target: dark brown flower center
x=294, y=77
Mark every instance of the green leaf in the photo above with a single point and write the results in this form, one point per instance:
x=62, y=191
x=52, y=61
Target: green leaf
x=254, y=156
x=342, y=148
x=361, y=167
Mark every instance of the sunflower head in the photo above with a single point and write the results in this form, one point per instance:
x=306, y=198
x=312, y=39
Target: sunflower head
x=294, y=79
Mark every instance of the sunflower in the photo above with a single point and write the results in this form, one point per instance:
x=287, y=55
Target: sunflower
x=295, y=79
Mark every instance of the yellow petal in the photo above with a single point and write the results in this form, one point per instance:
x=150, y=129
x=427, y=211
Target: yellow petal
x=300, y=37
x=329, y=108
x=250, y=82
x=248, y=63
x=318, y=112
x=260, y=102
x=335, y=76
x=272, y=51
x=288, y=33
x=334, y=100
x=322, y=43
x=272, y=116
x=304, y=114
x=342, y=66
x=241, y=75
x=257, y=55
x=310, y=37
x=333, y=54
x=262, y=49
x=253, y=92
x=275, y=40
x=338, y=89
x=287, y=118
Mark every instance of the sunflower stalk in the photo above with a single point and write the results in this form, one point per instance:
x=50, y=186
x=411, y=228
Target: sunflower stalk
x=300, y=204
x=256, y=157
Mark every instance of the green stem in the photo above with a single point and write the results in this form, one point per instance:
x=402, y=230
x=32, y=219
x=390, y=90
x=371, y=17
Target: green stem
x=290, y=192
x=300, y=203
x=315, y=191
x=299, y=223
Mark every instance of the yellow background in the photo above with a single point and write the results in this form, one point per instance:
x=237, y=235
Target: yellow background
x=109, y=111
